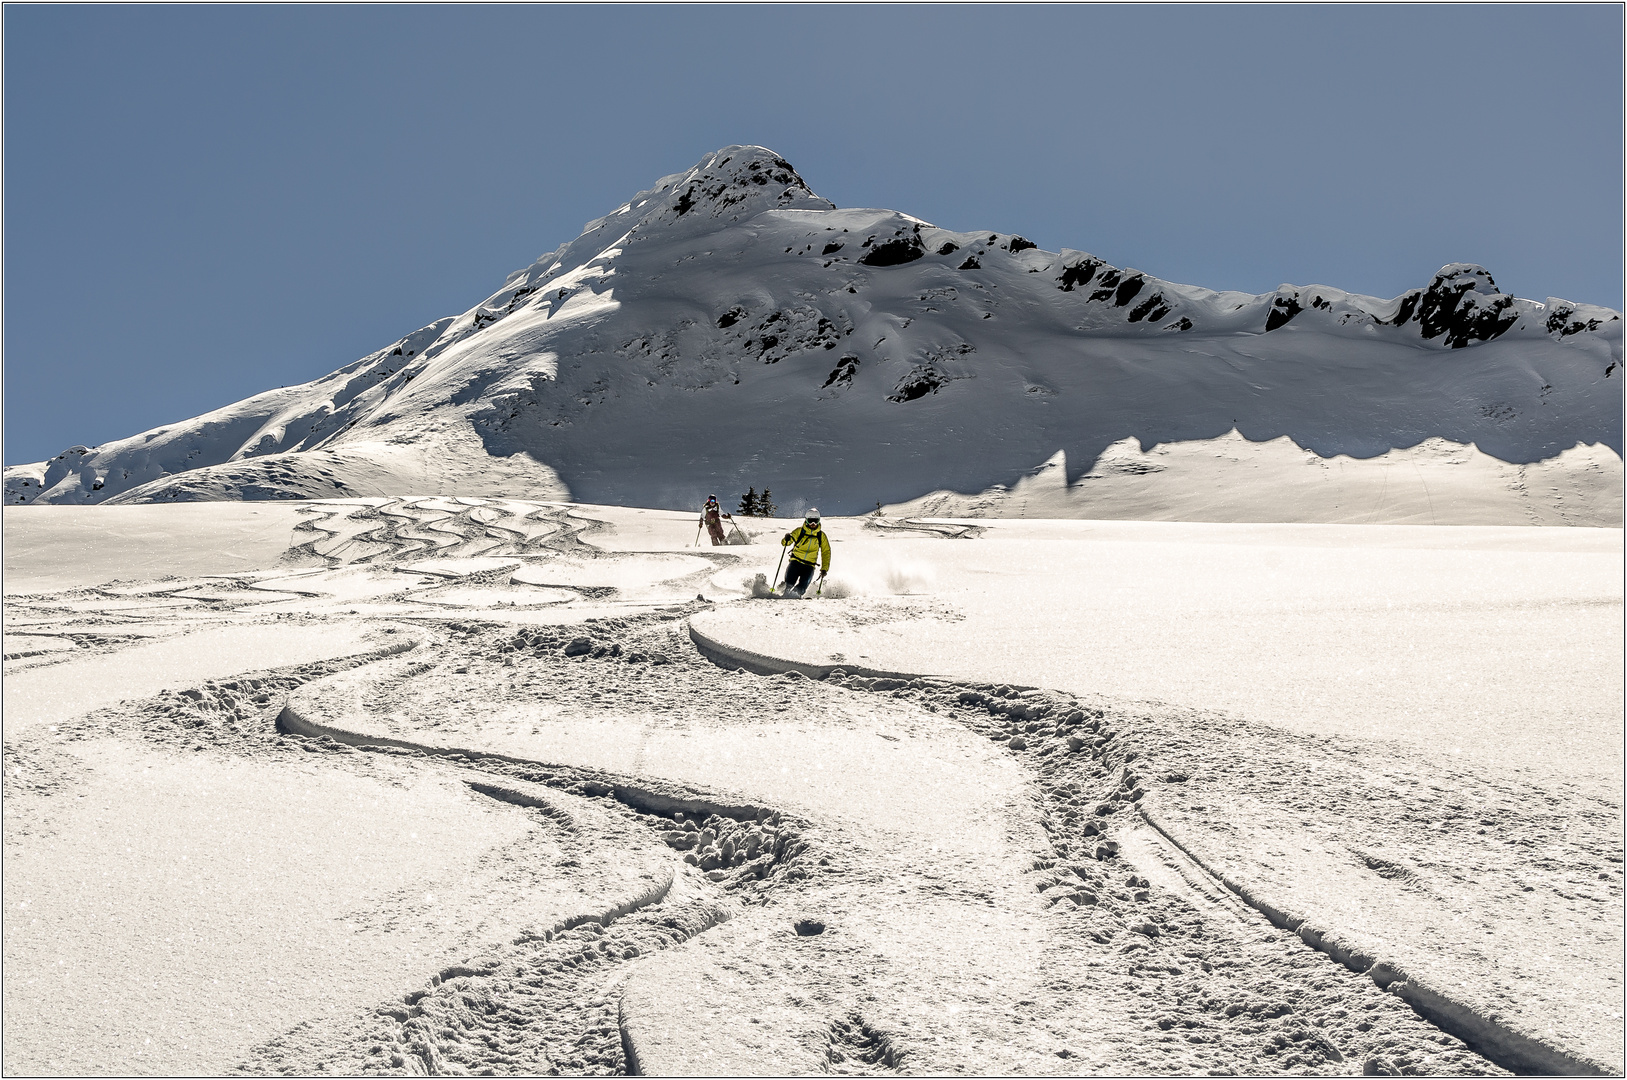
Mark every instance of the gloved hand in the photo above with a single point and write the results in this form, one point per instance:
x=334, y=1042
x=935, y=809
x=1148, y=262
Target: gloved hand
x=785, y=540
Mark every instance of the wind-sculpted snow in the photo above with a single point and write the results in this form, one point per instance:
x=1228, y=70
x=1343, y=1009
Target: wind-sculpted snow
x=729, y=328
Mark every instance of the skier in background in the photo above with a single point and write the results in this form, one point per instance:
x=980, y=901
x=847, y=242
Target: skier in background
x=712, y=516
x=808, y=543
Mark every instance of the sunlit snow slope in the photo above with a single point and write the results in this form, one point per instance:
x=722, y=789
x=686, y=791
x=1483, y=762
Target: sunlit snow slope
x=730, y=328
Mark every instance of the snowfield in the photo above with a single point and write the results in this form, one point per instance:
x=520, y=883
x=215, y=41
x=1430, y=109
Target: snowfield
x=728, y=323
x=1203, y=684
x=386, y=785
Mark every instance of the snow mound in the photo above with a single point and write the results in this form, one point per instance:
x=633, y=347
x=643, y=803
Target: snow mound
x=1436, y=482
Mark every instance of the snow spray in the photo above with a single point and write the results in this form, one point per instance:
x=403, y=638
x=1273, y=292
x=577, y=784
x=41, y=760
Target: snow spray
x=898, y=577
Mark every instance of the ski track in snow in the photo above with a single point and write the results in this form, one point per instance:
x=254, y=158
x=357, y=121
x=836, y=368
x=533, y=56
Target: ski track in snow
x=651, y=859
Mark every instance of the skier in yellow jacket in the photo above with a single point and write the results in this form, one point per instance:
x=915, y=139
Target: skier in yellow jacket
x=808, y=543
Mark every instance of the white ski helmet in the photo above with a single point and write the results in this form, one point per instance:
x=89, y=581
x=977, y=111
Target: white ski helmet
x=812, y=516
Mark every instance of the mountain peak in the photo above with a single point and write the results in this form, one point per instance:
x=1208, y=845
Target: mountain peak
x=738, y=181
x=728, y=327
x=1464, y=277
x=727, y=185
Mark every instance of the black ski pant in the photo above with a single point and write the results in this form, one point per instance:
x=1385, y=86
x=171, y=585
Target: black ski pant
x=798, y=576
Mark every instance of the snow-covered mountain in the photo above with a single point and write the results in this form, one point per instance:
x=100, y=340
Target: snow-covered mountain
x=729, y=328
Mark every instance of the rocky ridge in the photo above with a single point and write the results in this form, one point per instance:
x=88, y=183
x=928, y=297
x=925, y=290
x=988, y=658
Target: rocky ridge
x=729, y=320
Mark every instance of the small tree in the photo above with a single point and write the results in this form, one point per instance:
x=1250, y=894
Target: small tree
x=748, y=503
x=765, y=504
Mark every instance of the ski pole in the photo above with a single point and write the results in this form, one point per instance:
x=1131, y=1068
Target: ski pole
x=777, y=569
x=697, y=542
x=821, y=590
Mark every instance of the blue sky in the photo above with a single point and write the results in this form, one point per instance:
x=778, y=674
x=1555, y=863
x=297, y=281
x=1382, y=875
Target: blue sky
x=203, y=202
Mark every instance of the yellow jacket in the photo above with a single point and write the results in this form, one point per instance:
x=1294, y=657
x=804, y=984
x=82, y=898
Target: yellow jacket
x=809, y=546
